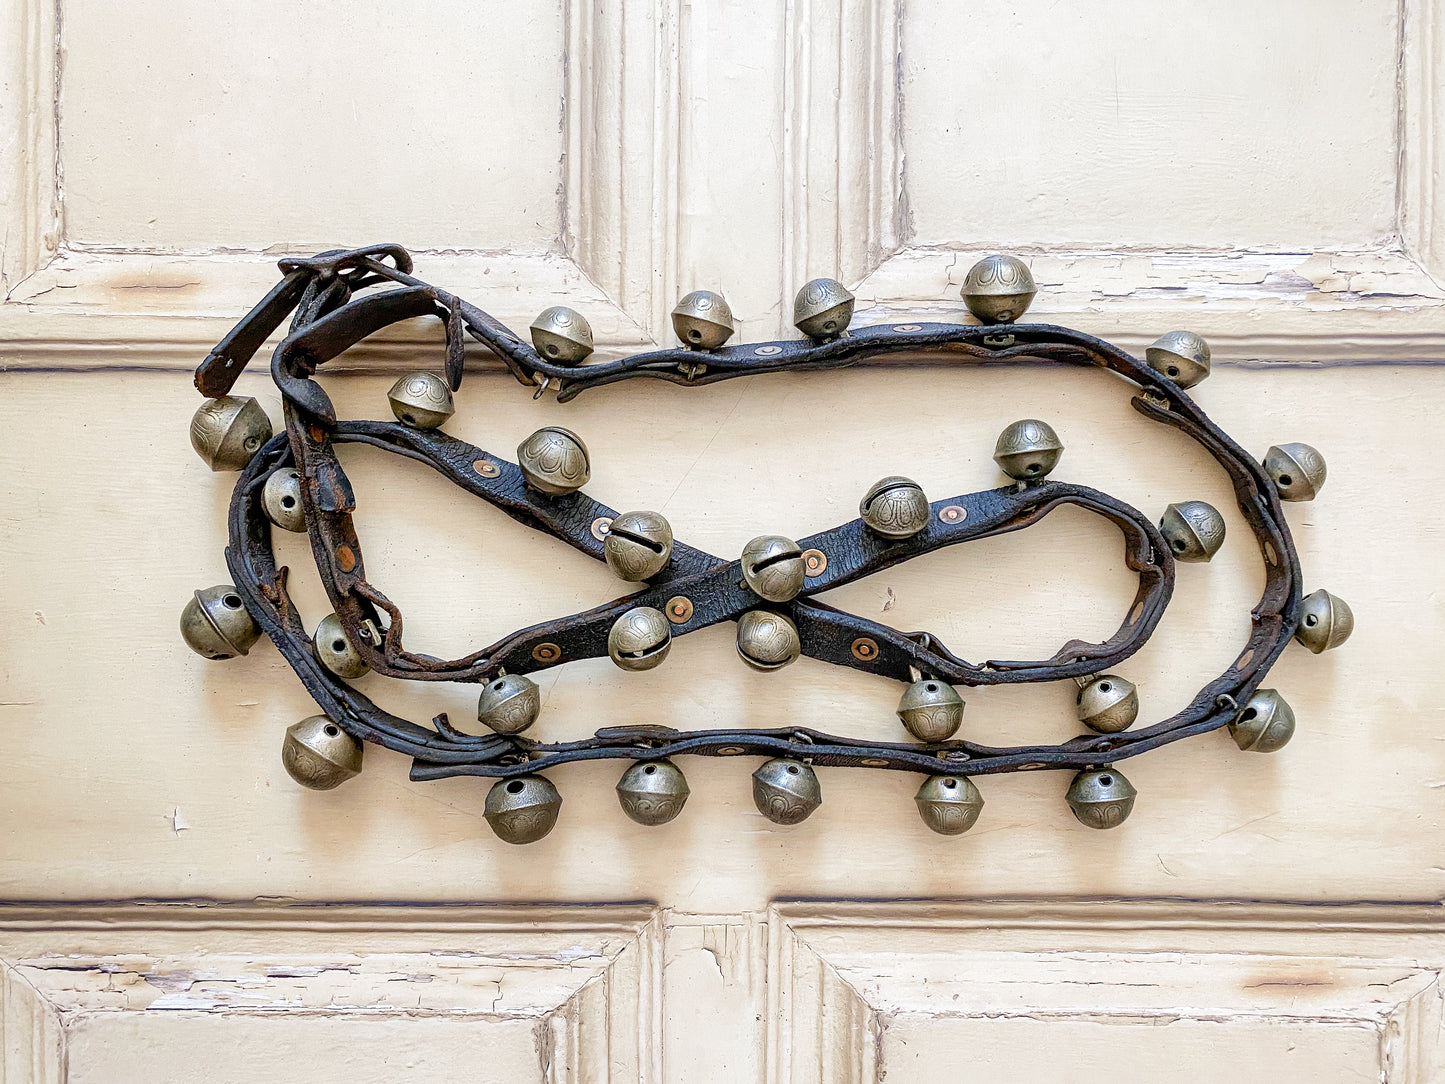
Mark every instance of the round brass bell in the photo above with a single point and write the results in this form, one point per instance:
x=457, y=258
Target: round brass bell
x=767, y=640
x=319, y=755
x=786, y=791
x=509, y=704
x=562, y=335
x=215, y=623
x=335, y=649
x=652, y=792
x=421, y=400
x=932, y=710
x=1193, y=530
x=523, y=809
x=1028, y=450
x=554, y=461
x=1325, y=621
x=773, y=567
x=639, y=639
x=1265, y=724
x=895, y=507
x=999, y=289
x=1101, y=798
x=823, y=309
x=638, y=545
x=1297, y=471
x=1108, y=704
x=949, y=804
x=703, y=320
x=1182, y=356
x=281, y=500
x=228, y=431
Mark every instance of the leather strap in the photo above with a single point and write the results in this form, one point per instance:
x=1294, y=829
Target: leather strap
x=328, y=319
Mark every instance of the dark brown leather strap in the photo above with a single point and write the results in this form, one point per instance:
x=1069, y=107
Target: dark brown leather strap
x=328, y=320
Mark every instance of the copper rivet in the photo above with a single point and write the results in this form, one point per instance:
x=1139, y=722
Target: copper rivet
x=909, y=327
x=546, y=652
x=865, y=649
x=729, y=750
x=873, y=762
x=486, y=468
x=768, y=351
x=345, y=558
x=600, y=526
x=679, y=610
x=951, y=513
x=815, y=562
x=317, y=436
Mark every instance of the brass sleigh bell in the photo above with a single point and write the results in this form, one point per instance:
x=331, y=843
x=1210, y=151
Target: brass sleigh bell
x=562, y=335
x=931, y=710
x=1297, y=471
x=652, y=792
x=639, y=639
x=319, y=755
x=638, y=545
x=1028, y=450
x=1193, y=530
x=554, y=461
x=823, y=309
x=335, y=649
x=949, y=804
x=773, y=567
x=1101, y=798
x=767, y=640
x=1325, y=621
x=281, y=500
x=998, y=289
x=703, y=320
x=522, y=810
x=215, y=623
x=1182, y=356
x=786, y=791
x=1265, y=724
x=421, y=400
x=895, y=507
x=509, y=704
x=1108, y=704
x=228, y=431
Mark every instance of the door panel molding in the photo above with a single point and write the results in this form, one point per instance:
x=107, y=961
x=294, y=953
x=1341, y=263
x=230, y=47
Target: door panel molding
x=632, y=171
x=559, y=994
x=1270, y=984
x=808, y=990
x=842, y=188
x=29, y=165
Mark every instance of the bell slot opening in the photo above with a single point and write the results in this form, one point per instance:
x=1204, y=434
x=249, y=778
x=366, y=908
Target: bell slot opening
x=645, y=543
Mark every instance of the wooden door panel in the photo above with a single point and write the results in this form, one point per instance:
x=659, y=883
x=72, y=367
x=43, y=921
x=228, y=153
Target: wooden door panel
x=1023, y=991
x=1123, y=124
x=1266, y=175
x=257, y=127
x=177, y=993
x=144, y=770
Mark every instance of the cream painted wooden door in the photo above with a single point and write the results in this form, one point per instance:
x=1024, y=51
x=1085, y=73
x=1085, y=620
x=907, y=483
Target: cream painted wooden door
x=1265, y=173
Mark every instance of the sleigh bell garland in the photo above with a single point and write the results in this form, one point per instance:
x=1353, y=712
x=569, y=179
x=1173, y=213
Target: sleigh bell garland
x=293, y=481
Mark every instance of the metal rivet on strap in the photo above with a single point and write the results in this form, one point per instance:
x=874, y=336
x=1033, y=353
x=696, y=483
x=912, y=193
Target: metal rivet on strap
x=864, y=649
